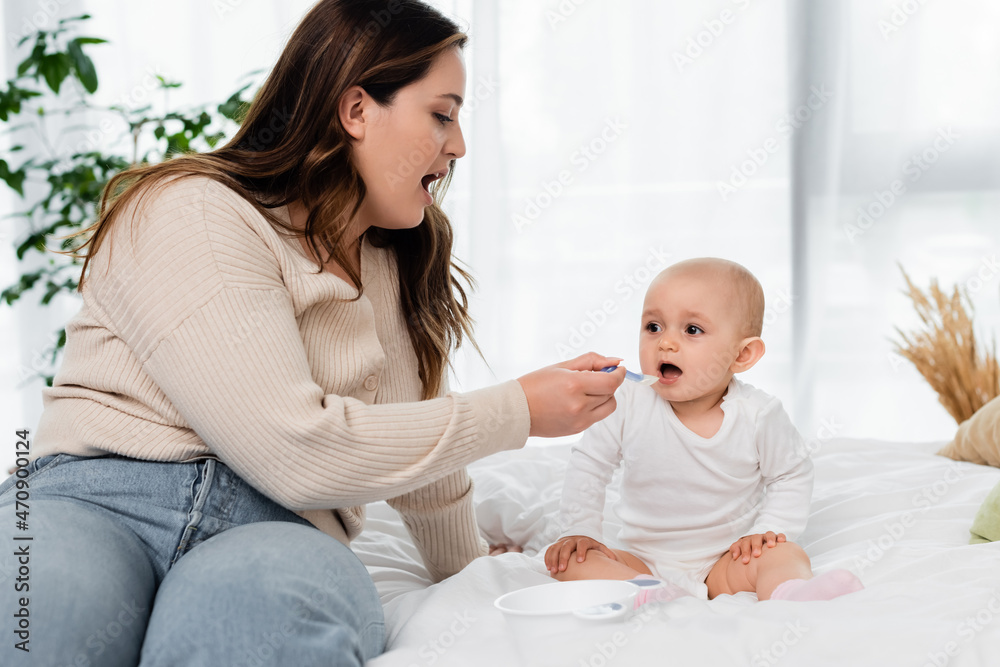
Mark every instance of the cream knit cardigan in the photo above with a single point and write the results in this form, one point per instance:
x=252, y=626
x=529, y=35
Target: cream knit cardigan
x=204, y=332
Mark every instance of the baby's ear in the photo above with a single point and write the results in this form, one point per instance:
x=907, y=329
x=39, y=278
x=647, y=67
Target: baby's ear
x=751, y=350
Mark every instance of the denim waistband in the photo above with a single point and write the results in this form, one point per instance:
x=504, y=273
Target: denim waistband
x=171, y=506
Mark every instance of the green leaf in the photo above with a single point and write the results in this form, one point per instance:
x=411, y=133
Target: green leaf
x=26, y=282
x=231, y=108
x=25, y=65
x=235, y=107
x=69, y=19
x=13, y=179
x=35, y=241
x=168, y=84
x=90, y=40
x=51, y=289
x=34, y=60
x=10, y=295
x=214, y=139
x=83, y=65
x=11, y=100
x=177, y=143
x=55, y=67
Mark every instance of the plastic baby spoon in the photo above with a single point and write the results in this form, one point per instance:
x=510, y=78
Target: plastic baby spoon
x=634, y=377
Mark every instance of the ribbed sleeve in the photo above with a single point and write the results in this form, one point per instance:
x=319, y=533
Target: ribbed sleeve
x=205, y=333
x=258, y=408
x=442, y=521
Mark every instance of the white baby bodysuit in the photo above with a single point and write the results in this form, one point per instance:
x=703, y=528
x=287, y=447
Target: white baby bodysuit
x=684, y=498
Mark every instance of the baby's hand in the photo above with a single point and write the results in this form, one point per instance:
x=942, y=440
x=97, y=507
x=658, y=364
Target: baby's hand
x=751, y=545
x=557, y=556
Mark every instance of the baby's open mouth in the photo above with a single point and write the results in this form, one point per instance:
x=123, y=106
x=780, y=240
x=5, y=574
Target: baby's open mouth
x=670, y=372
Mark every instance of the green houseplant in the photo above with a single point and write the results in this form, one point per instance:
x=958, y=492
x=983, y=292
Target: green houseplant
x=59, y=175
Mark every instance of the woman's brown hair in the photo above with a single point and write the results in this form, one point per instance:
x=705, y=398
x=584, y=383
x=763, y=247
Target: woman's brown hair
x=291, y=147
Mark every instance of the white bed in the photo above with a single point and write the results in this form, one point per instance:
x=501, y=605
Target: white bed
x=895, y=514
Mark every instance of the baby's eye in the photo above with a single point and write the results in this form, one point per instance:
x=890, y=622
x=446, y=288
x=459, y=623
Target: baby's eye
x=693, y=330
x=652, y=327
x=442, y=118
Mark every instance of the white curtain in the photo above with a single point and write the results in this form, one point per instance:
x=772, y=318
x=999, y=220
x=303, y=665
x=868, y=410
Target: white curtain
x=608, y=139
x=901, y=170
x=753, y=131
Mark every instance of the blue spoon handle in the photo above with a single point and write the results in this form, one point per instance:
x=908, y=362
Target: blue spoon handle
x=629, y=375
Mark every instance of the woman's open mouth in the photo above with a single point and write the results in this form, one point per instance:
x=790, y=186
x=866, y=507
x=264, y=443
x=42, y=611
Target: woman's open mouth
x=426, y=181
x=669, y=373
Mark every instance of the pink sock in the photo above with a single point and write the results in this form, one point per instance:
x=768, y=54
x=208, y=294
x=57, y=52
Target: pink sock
x=824, y=587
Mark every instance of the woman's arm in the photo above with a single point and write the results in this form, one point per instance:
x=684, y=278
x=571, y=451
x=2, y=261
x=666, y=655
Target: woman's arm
x=193, y=286
x=196, y=292
x=441, y=519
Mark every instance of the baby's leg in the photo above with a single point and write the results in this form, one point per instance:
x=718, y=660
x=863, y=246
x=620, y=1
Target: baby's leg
x=775, y=565
x=599, y=566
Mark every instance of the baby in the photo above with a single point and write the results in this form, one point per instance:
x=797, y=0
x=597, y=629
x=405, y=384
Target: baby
x=714, y=486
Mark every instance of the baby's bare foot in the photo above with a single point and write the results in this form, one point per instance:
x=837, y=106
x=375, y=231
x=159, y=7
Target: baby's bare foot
x=497, y=549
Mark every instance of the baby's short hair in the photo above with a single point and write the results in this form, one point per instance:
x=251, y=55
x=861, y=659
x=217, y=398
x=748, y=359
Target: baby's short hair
x=746, y=289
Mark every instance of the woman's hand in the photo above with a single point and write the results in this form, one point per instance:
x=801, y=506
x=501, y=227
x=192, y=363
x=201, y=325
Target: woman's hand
x=557, y=556
x=566, y=398
x=751, y=545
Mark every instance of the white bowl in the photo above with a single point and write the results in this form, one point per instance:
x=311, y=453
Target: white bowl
x=537, y=613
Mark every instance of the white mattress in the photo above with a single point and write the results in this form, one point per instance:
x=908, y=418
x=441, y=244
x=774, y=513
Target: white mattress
x=894, y=513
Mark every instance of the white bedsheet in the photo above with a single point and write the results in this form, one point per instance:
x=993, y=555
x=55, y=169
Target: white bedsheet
x=895, y=514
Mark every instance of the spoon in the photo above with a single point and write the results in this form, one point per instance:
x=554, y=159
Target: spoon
x=635, y=377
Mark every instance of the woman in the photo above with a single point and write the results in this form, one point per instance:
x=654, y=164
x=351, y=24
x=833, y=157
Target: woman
x=221, y=398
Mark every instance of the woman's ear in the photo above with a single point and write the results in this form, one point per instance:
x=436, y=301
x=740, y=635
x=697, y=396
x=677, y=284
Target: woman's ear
x=751, y=350
x=351, y=111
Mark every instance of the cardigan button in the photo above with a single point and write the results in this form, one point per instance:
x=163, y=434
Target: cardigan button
x=371, y=382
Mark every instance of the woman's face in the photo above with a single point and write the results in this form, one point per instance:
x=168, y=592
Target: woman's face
x=408, y=145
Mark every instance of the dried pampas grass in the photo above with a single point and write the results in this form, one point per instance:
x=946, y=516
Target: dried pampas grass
x=945, y=351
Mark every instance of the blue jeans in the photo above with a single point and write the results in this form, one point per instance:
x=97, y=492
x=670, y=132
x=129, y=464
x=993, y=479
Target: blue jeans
x=154, y=564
